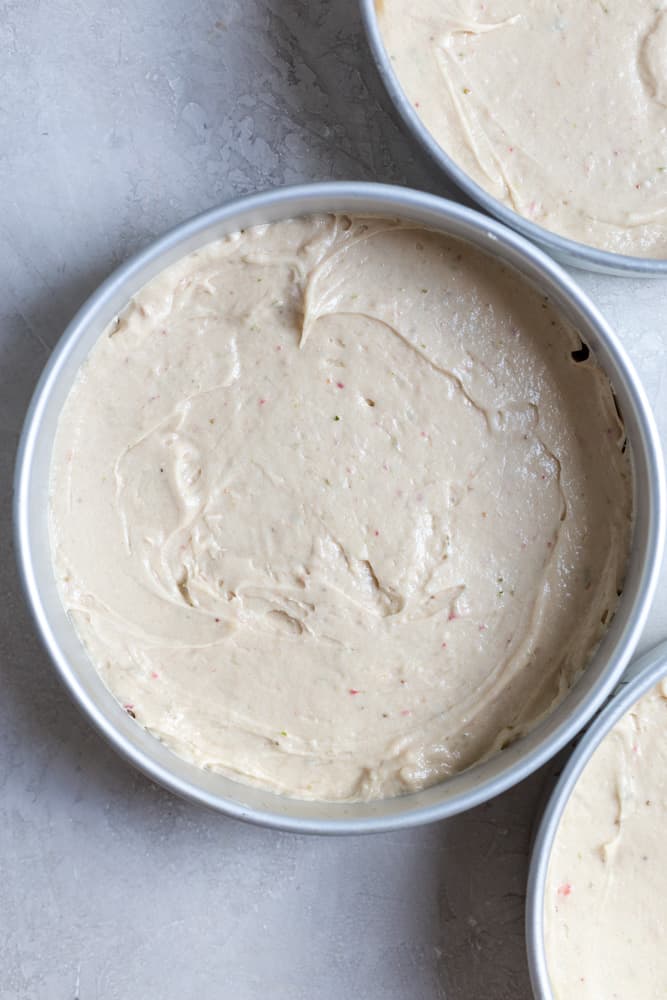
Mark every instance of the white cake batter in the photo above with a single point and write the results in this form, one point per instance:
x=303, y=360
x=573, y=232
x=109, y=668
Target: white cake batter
x=606, y=903
x=335, y=508
x=557, y=109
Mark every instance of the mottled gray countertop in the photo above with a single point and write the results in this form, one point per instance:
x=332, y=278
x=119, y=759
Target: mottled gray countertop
x=118, y=120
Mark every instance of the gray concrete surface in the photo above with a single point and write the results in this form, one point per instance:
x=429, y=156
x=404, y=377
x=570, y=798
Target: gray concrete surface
x=119, y=119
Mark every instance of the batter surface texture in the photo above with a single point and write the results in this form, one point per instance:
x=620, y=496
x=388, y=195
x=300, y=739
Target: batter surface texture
x=559, y=110
x=339, y=506
x=606, y=904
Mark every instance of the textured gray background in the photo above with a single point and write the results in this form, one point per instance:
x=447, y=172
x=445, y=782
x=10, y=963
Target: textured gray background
x=119, y=119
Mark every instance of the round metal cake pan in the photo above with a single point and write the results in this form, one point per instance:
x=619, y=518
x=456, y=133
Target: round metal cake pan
x=565, y=250
x=464, y=790
x=643, y=674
